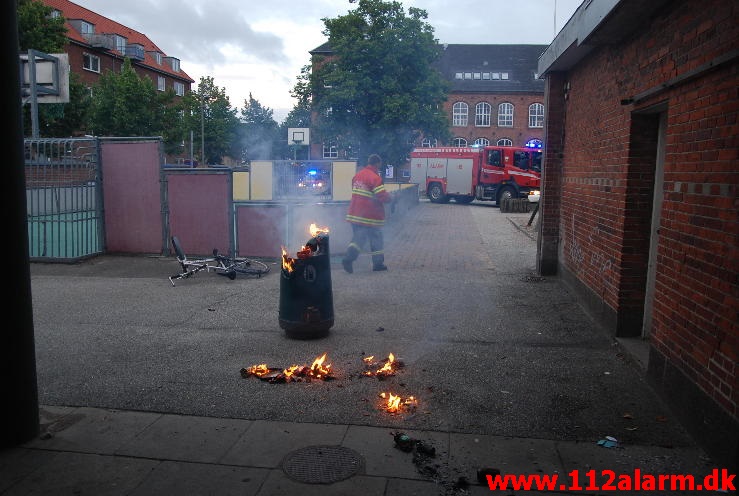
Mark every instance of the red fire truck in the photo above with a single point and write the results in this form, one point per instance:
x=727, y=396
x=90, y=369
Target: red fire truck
x=490, y=173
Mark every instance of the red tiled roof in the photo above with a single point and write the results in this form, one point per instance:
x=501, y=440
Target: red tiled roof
x=103, y=25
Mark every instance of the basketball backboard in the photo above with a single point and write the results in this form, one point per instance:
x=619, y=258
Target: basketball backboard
x=298, y=136
x=48, y=74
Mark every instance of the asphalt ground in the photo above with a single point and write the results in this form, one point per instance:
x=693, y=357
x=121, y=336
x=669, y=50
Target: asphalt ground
x=487, y=347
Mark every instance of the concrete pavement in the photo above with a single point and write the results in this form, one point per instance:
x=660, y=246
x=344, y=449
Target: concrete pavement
x=141, y=392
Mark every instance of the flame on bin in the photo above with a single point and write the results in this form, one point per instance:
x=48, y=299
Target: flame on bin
x=288, y=263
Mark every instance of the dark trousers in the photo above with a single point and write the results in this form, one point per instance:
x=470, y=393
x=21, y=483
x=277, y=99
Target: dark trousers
x=361, y=235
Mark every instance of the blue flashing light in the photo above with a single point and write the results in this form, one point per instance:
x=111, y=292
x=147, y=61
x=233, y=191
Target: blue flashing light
x=312, y=172
x=533, y=143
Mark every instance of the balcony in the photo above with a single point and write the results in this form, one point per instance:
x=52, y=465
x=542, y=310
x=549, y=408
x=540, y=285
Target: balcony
x=102, y=41
x=134, y=51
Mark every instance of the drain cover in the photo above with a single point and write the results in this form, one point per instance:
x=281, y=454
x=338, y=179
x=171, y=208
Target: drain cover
x=322, y=464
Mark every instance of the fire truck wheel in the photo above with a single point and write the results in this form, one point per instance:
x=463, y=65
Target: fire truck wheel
x=506, y=193
x=436, y=194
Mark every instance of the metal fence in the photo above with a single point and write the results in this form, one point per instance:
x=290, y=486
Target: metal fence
x=63, y=198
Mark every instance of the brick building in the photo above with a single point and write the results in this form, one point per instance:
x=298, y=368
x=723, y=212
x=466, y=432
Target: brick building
x=641, y=189
x=96, y=44
x=496, y=96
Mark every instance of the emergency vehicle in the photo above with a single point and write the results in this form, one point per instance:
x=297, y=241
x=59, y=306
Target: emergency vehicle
x=490, y=173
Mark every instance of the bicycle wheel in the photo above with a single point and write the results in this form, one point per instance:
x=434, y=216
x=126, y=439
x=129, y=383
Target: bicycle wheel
x=249, y=266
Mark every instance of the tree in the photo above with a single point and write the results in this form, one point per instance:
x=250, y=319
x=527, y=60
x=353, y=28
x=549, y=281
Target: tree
x=38, y=30
x=123, y=104
x=207, y=114
x=379, y=91
x=64, y=119
x=257, y=132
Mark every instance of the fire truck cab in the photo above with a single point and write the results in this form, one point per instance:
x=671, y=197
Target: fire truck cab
x=491, y=173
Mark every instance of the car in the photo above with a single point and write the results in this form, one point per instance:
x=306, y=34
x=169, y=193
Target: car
x=534, y=196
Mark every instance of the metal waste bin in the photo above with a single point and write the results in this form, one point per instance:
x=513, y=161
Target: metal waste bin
x=306, y=295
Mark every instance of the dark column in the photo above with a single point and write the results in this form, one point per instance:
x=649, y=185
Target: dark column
x=18, y=388
x=547, y=257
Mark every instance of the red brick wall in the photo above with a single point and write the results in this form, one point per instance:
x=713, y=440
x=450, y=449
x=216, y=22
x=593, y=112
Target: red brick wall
x=520, y=133
x=607, y=179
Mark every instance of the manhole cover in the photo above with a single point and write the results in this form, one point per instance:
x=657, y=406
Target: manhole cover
x=322, y=464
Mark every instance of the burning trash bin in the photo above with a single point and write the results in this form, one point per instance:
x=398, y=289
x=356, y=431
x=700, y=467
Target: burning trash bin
x=306, y=296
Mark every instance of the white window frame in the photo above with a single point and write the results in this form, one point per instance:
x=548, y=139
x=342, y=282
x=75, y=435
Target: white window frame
x=330, y=150
x=91, y=62
x=459, y=142
x=504, y=142
x=536, y=115
x=161, y=83
x=426, y=143
x=505, y=114
x=175, y=64
x=120, y=43
x=460, y=112
x=482, y=142
x=482, y=114
x=86, y=28
x=157, y=57
x=179, y=88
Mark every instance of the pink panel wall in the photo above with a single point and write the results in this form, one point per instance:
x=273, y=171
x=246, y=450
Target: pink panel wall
x=199, y=211
x=133, y=221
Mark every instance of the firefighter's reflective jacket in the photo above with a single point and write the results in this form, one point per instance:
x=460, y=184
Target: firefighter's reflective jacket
x=368, y=195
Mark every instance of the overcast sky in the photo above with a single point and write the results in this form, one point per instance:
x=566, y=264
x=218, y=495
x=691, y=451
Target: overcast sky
x=259, y=47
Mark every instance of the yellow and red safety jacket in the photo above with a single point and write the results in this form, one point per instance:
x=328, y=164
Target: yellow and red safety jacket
x=368, y=195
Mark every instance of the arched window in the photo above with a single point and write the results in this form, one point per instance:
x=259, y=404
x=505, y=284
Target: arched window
x=459, y=114
x=505, y=114
x=482, y=114
x=504, y=142
x=536, y=115
x=482, y=142
x=459, y=142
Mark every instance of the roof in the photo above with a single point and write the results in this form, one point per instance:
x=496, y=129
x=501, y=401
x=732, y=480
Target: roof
x=518, y=62
x=103, y=25
x=595, y=24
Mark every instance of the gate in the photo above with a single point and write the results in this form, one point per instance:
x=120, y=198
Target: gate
x=63, y=199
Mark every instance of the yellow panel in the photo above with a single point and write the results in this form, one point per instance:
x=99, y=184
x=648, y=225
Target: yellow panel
x=342, y=175
x=241, y=185
x=261, y=180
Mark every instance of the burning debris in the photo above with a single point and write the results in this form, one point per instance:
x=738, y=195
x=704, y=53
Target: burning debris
x=389, y=366
x=317, y=370
x=311, y=248
x=395, y=403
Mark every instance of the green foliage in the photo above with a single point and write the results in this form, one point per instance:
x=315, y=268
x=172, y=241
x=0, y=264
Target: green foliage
x=123, y=104
x=37, y=30
x=207, y=114
x=258, y=132
x=379, y=91
x=299, y=116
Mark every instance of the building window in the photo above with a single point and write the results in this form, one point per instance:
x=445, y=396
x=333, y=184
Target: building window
x=120, y=43
x=330, y=150
x=176, y=65
x=505, y=114
x=427, y=143
x=486, y=75
x=459, y=114
x=536, y=115
x=504, y=142
x=503, y=75
x=179, y=88
x=481, y=142
x=90, y=62
x=458, y=75
x=157, y=57
x=161, y=83
x=87, y=28
x=468, y=75
x=482, y=114
x=459, y=142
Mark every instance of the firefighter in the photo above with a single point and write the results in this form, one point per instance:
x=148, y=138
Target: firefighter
x=366, y=214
